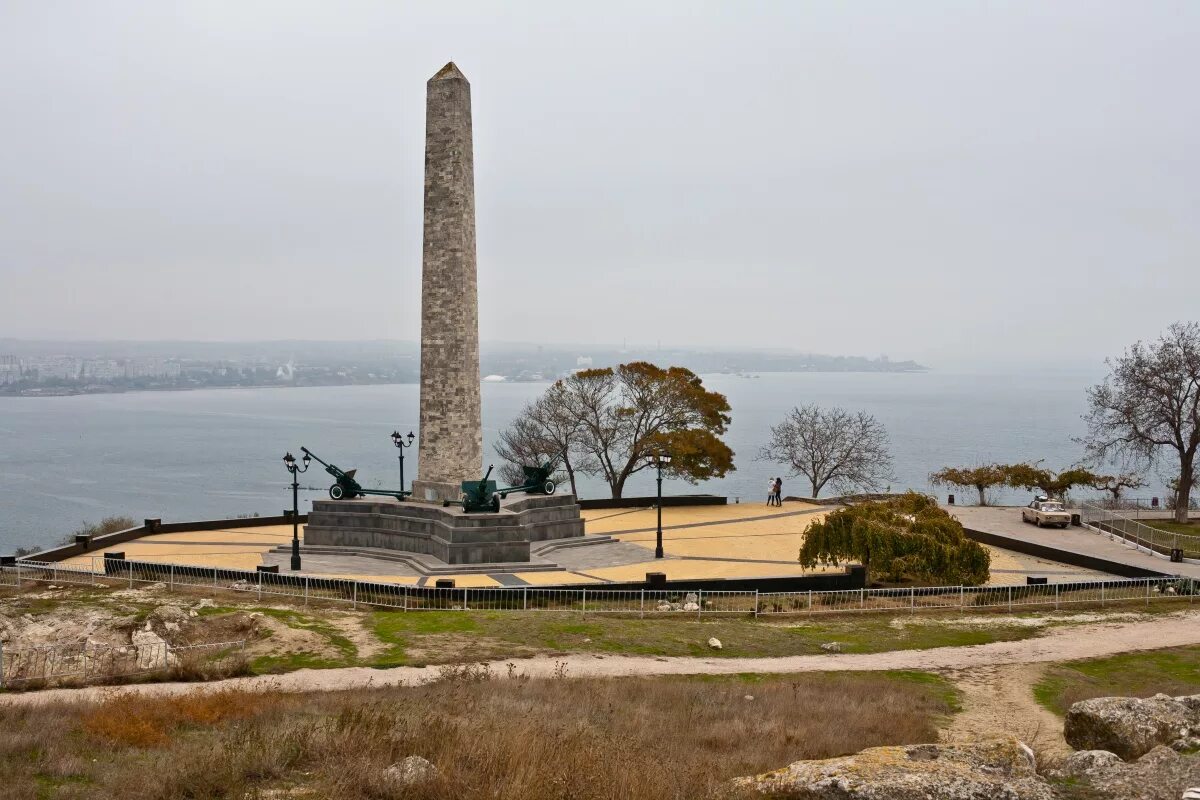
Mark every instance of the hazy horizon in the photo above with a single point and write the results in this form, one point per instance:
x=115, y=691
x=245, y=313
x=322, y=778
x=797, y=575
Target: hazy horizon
x=955, y=184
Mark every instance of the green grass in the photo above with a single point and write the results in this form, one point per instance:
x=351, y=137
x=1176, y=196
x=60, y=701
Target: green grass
x=444, y=636
x=1173, y=671
x=1170, y=526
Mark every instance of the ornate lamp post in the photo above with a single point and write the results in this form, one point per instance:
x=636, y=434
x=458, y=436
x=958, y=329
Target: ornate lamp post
x=399, y=441
x=661, y=460
x=290, y=462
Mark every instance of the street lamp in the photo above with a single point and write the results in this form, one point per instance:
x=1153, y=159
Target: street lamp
x=661, y=460
x=398, y=440
x=290, y=462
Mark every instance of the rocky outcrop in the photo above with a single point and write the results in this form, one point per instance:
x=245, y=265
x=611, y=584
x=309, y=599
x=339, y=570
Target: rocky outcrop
x=1131, y=726
x=1161, y=774
x=988, y=771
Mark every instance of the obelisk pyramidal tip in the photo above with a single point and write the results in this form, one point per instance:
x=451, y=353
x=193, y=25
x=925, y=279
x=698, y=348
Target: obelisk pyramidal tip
x=451, y=443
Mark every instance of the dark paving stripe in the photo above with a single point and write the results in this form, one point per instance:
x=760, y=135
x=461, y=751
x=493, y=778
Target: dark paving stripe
x=737, y=521
x=506, y=579
x=275, y=543
x=742, y=560
x=423, y=580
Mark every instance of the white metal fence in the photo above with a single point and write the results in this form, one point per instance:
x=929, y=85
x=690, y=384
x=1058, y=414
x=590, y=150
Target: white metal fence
x=84, y=663
x=1138, y=534
x=598, y=599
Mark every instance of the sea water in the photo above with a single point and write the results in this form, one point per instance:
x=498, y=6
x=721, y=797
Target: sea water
x=217, y=453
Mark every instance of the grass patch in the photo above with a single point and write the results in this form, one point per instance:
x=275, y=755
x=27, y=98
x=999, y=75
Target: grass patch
x=431, y=637
x=637, y=738
x=1174, y=671
x=1192, y=528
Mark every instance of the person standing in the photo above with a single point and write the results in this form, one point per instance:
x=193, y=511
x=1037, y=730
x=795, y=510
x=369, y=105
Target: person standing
x=779, y=492
x=771, y=492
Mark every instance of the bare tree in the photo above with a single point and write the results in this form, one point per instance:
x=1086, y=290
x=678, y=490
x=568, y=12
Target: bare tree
x=547, y=429
x=848, y=450
x=1150, y=403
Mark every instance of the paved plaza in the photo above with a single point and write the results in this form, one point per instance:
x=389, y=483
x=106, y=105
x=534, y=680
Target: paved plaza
x=1006, y=520
x=701, y=542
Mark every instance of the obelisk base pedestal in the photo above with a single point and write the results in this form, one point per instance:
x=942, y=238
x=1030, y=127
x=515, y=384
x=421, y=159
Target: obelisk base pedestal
x=436, y=491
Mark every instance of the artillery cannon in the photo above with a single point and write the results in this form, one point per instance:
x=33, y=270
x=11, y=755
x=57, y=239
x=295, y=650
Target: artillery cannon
x=537, y=480
x=478, y=496
x=345, y=486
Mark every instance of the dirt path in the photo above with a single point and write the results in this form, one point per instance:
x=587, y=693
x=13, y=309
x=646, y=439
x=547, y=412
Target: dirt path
x=997, y=700
x=1058, y=644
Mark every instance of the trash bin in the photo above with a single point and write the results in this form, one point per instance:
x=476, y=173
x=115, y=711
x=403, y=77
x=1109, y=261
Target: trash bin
x=950, y=501
x=1177, y=555
x=444, y=583
x=268, y=568
x=1077, y=520
x=657, y=580
x=1032, y=581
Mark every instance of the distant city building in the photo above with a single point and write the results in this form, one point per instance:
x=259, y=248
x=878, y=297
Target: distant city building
x=63, y=368
x=10, y=369
x=102, y=369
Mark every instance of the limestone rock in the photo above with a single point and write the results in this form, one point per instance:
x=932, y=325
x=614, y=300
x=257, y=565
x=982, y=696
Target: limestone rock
x=1129, y=726
x=412, y=770
x=714, y=643
x=152, y=650
x=1161, y=774
x=1084, y=763
x=832, y=647
x=691, y=606
x=986, y=771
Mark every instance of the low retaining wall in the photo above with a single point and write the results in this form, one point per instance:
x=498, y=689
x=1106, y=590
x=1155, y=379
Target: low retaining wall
x=671, y=501
x=149, y=528
x=1063, y=556
x=854, y=577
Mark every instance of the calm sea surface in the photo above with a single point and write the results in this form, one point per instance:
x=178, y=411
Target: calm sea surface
x=204, y=454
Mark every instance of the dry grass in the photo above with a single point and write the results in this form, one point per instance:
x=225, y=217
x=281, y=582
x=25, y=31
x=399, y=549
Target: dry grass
x=499, y=739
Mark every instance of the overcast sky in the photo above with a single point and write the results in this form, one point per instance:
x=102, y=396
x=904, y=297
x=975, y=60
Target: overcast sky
x=945, y=181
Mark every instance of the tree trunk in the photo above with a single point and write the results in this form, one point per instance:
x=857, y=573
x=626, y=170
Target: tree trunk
x=617, y=487
x=1183, y=497
x=571, y=476
x=816, y=489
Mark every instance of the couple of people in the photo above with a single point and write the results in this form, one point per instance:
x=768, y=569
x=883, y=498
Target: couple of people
x=775, y=492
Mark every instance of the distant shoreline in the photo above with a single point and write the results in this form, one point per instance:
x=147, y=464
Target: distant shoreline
x=77, y=392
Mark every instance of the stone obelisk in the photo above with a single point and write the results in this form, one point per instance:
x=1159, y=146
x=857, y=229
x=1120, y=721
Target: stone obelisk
x=451, y=434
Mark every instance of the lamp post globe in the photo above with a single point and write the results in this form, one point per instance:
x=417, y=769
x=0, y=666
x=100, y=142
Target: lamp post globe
x=289, y=462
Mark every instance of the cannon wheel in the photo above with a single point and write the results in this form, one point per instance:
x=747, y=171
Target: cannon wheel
x=503, y=495
x=548, y=487
x=495, y=502
x=337, y=492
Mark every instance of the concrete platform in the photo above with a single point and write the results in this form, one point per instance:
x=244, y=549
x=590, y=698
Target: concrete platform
x=448, y=534
x=1005, y=521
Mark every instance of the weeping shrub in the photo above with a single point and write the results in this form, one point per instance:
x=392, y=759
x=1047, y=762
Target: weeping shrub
x=907, y=537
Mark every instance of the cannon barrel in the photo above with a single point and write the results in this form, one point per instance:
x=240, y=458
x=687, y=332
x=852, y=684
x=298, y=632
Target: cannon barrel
x=332, y=469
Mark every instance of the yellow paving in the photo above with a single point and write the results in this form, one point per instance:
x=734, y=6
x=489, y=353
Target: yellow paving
x=731, y=541
x=236, y=548
x=736, y=534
